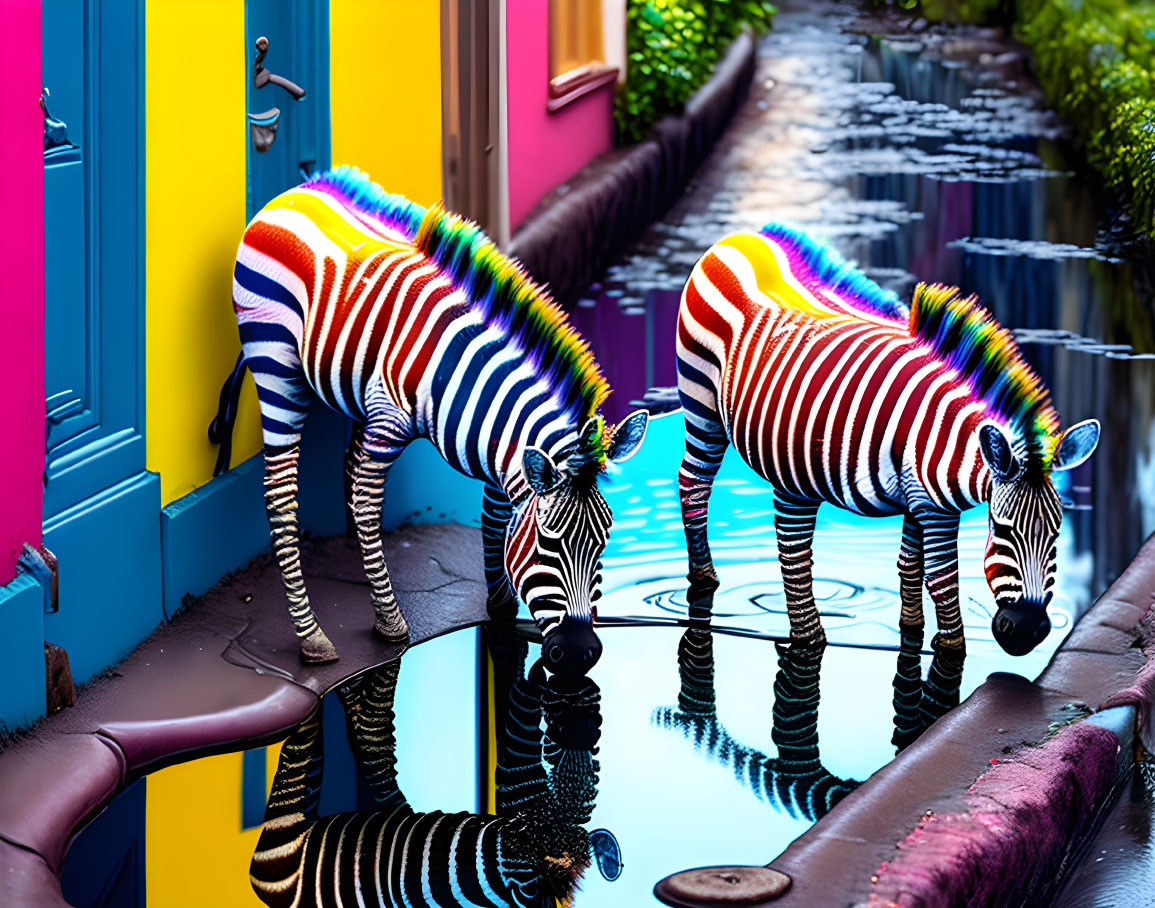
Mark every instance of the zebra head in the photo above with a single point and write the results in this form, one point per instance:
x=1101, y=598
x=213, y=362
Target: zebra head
x=1025, y=513
x=553, y=550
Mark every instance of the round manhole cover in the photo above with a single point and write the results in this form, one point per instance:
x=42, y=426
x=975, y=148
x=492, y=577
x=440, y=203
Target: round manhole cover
x=722, y=886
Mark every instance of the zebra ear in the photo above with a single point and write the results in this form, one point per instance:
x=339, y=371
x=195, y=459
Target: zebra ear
x=996, y=450
x=1077, y=444
x=540, y=471
x=628, y=436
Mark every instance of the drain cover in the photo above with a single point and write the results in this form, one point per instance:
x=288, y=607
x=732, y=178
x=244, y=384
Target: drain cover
x=708, y=886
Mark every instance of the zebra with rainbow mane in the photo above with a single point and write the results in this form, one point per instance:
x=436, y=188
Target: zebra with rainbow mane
x=413, y=324
x=831, y=391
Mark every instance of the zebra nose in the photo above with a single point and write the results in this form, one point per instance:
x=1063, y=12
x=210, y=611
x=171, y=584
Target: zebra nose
x=1020, y=627
x=555, y=655
x=573, y=649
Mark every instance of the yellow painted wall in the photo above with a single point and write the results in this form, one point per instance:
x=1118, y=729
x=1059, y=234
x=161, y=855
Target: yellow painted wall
x=196, y=853
x=195, y=214
x=385, y=84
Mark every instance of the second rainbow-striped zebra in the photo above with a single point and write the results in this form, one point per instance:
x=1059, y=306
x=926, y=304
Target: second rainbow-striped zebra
x=833, y=393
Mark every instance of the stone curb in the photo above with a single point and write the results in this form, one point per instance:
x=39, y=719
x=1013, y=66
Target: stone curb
x=222, y=676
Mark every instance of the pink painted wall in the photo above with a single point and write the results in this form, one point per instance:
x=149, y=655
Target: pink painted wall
x=545, y=148
x=22, y=299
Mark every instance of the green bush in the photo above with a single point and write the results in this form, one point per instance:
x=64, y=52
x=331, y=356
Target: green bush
x=673, y=46
x=964, y=10
x=1096, y=61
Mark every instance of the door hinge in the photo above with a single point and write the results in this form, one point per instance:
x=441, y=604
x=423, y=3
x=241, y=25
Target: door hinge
x=42, y=565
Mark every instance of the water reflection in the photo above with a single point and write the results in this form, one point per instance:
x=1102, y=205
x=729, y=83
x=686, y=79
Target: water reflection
x=918, y=703
x=794, y=782
x=532, y=852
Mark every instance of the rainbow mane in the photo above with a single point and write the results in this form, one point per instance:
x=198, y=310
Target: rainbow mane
x=353, y=188
x=494, y=284
x=966, y=337
x=508, y=297
x=834, y=281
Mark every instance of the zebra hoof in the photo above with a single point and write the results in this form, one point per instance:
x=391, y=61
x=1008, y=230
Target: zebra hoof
x=955, y=645
x=316, y=649
x=815, y=641
x=392, y=632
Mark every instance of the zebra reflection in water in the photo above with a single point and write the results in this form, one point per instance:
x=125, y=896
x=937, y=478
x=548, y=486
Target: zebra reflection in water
x=795, y=782
x=531, y=855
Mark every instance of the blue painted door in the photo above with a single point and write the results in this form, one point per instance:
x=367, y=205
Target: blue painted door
x=93, y=73
x=101, y=505
x=288, y=133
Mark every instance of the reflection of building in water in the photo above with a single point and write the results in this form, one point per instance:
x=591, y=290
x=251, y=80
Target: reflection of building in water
x=795, y=781
x=531, y=854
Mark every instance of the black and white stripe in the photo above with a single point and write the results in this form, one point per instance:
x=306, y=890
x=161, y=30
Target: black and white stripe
x=530, y=855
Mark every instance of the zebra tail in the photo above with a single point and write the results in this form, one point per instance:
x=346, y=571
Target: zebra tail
x=221, y=428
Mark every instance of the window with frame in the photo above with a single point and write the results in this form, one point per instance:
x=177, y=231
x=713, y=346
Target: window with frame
x=575, y=35
x=576, y=50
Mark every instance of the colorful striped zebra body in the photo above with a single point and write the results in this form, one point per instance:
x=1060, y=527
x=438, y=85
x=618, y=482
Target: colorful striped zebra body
x=531, y=855
x=414, y=325
x=830, y=391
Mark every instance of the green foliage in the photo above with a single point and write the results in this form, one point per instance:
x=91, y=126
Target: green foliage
x=963, y=10
x=673, y=46
x=956, y=10
x=1096, y=60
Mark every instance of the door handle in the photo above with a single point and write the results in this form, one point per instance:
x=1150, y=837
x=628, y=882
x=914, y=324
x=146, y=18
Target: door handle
x=57, y=145
x=262, y=77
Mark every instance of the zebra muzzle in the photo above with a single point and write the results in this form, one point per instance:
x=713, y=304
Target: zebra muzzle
x=1020, y=627
x=572, y=649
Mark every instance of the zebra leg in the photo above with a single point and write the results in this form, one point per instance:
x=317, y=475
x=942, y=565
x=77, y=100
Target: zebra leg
x=908, y=671
x=705, y=446
x=940, y=551
x=381, y=451
x=353, y=456
x=910, y=572
x=285, y=527
x=794, y=520
x=496, y=512
x=369, y=718
x=290, y=815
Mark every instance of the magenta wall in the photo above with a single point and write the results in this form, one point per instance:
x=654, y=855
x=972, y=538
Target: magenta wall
x=545, y=148
x=22, y=299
